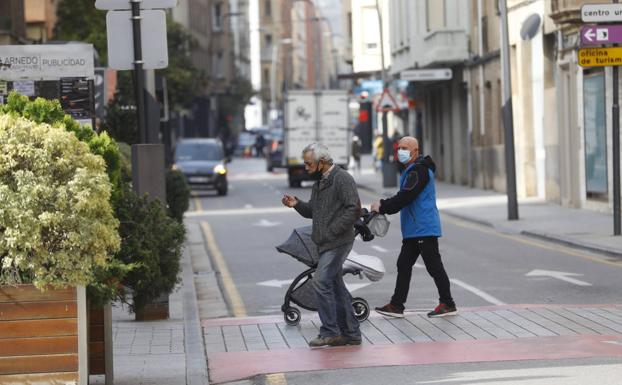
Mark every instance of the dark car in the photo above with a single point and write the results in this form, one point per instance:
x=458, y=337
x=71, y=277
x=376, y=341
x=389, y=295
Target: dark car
x=274, y=150
x=203, y=162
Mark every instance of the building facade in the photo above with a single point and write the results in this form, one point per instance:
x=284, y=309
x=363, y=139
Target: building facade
x=12, y=22
x=427, y=34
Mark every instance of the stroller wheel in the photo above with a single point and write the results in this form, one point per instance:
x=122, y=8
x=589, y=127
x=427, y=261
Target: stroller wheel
x=361, y=309
x=292, y=316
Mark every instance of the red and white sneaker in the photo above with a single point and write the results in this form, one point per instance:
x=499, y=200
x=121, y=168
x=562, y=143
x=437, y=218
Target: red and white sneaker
x=442, y=310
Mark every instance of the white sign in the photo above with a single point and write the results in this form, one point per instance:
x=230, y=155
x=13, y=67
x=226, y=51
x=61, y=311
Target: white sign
x=24, y=87
x=46, y=62
x=427, y=75
x=597, y=13
x=121, y=44
x=110, y=5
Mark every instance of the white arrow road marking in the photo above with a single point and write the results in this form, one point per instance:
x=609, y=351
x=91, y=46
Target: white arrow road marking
x=485, y=296
x=355, y=286
x=613, y=342
x=275, y=283
x=589, y=34
x=561, y=275
x=266, y=223
x=379, y=248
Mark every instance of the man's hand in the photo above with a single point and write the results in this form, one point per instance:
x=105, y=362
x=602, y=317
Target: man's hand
x=375, y=207
x=289, y=200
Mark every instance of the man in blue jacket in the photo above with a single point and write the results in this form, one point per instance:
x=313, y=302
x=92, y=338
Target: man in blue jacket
x=421, y=228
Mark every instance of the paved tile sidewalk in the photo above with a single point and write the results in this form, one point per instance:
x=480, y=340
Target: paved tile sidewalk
x=271, y=333
x=238, y=348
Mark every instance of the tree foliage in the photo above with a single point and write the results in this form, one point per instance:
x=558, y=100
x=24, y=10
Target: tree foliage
x=56, y=220
x=79, y=20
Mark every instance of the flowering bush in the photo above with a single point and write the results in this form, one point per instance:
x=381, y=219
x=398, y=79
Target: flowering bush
x=56, y=221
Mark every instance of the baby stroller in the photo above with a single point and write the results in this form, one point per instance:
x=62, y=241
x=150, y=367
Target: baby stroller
x=301, y=292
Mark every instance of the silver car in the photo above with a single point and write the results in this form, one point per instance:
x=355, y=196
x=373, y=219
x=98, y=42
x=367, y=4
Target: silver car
x=203, y=162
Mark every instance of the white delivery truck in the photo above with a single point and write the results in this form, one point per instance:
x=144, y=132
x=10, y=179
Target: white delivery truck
x=315, y=116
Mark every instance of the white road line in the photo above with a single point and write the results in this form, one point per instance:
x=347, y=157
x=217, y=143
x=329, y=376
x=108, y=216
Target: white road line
x=248, y=211
x=483, y=295
x=379, y=248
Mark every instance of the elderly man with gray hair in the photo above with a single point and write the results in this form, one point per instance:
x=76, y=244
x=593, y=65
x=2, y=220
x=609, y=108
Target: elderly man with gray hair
x=334, y=207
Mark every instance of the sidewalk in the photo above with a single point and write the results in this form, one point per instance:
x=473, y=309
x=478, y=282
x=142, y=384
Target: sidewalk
x=579, y=228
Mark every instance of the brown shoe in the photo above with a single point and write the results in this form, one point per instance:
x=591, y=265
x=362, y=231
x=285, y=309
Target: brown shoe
x=390, y=310
x=327, y=341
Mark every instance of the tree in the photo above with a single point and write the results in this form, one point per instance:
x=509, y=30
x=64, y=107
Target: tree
x=79, y=20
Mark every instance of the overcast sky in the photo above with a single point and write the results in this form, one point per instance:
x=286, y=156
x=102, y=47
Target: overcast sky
x=331, y=9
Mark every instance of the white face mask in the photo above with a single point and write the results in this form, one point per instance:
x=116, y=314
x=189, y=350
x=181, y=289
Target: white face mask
x=403, y=156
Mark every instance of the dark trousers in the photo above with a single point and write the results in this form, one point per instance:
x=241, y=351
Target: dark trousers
x=411, y=249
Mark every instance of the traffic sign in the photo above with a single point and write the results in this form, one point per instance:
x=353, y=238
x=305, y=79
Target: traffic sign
x=121, y=48
x=387, y=102
x=600, y=57
x=601, y=34
x=601, y=13
x=110, y=5
x=427, y=74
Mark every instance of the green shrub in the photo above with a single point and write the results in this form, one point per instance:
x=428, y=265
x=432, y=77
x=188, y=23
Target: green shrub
x=56, y=221
x=106, y=277
x=177, y=194
x=151, y=241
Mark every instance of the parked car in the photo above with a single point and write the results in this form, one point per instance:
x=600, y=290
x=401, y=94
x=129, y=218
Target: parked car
x=203, y=162
x=274, y=150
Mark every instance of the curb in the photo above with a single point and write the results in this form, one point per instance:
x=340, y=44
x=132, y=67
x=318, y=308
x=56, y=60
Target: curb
x=196, y=360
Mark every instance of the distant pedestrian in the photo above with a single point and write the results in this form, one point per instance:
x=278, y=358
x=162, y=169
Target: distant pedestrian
x=421, y=228
x=378, y=152
x=334, y=207
x=356, y=154
x=260, y=143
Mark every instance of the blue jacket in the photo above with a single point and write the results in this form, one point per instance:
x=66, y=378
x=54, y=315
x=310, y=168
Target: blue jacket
x=416, y=201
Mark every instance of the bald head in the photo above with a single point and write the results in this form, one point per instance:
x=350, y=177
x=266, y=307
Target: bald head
x=410, y=144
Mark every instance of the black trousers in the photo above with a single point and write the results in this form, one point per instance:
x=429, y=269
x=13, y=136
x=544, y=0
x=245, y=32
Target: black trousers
x=427, y=247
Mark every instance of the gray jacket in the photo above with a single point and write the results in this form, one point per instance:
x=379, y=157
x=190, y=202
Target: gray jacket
x=334, y=207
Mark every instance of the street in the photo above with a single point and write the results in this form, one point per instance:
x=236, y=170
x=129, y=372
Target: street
x=486, y=267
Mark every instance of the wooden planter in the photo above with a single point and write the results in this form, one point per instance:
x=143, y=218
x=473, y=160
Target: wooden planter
x=43, y=336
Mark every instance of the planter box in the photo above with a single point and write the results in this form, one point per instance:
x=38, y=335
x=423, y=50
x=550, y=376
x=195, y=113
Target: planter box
x=43, y=336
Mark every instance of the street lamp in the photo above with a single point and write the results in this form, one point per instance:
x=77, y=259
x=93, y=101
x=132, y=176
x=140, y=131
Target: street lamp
x=275, y=52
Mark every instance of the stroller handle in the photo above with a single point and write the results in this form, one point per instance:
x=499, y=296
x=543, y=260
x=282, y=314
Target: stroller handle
x=360, y=227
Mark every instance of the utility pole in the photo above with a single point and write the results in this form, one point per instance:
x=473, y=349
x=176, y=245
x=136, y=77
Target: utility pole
x=139, y=73
x=615, y=115
x=508, y=115
x=389, y=172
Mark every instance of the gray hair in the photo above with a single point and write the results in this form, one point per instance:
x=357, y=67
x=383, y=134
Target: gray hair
x=319, y=151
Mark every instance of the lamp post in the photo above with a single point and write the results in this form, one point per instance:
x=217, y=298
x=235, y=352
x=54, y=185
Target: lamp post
x=508, y=116
x=275, y=52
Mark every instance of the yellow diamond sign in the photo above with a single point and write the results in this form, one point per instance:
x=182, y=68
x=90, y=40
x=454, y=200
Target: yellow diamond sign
x=600, y=57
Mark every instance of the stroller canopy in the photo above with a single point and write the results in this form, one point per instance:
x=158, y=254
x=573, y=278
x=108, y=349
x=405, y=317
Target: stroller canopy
x=300, y=246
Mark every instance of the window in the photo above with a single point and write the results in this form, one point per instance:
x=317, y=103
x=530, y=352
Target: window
x=435, y=14
x=267, y=8
x=595, y=134
x=218, y=66
x=267, y=41
x=217, y=17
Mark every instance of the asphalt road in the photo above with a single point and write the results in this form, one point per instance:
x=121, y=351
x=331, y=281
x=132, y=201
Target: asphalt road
x=485, y=267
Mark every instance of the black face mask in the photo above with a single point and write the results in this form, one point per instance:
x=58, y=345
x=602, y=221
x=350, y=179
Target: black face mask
x=317, y=174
